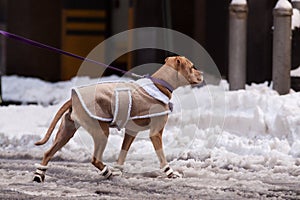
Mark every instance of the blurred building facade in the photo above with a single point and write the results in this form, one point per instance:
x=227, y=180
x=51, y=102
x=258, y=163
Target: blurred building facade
x=77, y=26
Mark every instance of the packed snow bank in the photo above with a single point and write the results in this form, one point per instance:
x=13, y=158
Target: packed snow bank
x=283, y=4
x=295, y=19
x=255, y=113
x=250, y=129
x=295, y=72
x=28, y=90
x=239, y=2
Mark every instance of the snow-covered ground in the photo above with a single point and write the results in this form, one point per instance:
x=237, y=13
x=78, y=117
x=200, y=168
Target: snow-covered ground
x=216, y=135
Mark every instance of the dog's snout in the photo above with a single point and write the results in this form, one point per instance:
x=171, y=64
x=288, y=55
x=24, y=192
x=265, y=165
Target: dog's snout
x=200, y=73
x=197, y=70
x=200, y=76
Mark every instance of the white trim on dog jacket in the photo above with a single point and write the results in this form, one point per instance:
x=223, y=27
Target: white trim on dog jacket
x=123, y=103
x=119, y=102
x=152, y=90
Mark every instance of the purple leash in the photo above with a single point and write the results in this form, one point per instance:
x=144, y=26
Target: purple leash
x=56, y=50
x=44, y=46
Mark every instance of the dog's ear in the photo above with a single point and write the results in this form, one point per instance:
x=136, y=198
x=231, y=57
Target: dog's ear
x=167, y=58
x=179, y=62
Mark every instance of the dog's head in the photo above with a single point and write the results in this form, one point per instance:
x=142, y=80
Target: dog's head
x=186, y=68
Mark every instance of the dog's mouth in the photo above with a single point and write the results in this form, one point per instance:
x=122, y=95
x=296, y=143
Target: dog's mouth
x=195, y=82
x=198, y=85
x=199, y=82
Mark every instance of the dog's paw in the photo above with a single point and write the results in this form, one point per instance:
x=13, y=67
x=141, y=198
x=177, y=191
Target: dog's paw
x=117, y=170
x=175, y=175
x=39, y=175
x=38, y=178
x=167, y=170
x=118, y=167
x=106, y=173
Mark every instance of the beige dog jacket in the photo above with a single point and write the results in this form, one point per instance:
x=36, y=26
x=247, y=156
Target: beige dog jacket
x=119, y=102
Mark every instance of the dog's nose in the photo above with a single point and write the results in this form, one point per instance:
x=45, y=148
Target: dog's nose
x=200, y=78
x=200, y=73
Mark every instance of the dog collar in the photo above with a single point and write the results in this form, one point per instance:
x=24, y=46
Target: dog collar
x=161, y=82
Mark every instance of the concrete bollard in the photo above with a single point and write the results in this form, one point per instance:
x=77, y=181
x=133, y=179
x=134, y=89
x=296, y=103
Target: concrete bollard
x=282, y=47
x=238, y=11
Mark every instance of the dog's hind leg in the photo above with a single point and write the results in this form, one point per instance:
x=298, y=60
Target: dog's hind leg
x=65, y=132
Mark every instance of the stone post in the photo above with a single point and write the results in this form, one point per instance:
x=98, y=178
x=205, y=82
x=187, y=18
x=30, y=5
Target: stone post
x=282, y=47
x=238, y=11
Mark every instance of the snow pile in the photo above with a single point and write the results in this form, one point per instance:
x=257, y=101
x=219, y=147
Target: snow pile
x=257, y=112
x=295, y=19
x=254, y=129
x=283, y=4
x=295, y=72
x=239, y=2
x=28, y=90
x=33, y=90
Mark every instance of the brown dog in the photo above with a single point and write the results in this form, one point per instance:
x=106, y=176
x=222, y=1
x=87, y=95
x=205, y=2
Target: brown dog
x=110, y=107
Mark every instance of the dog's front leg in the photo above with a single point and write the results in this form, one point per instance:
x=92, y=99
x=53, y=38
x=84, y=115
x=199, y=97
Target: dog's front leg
x=158, y=146
x=156, y=140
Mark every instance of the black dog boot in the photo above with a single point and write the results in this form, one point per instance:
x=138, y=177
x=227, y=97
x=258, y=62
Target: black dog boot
x=167, y=170
x=39, y=174
x=106, y=172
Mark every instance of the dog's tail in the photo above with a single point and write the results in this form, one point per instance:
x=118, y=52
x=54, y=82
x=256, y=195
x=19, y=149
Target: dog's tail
x=57, y=117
